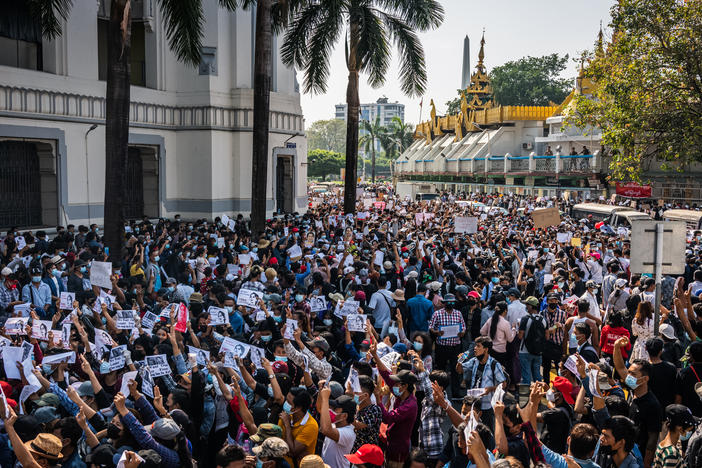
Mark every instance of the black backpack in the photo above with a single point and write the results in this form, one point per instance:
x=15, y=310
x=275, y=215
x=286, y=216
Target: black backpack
x=535, y=338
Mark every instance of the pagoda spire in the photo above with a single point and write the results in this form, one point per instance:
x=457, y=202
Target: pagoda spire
x=599, y=49
x=481, y=54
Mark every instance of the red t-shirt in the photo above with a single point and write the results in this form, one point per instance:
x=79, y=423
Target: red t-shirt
x=609, y=336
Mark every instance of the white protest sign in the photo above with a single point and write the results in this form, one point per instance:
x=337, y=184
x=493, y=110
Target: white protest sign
x=218, y=315
x=158, y=365
x=147, y=381
x=126, y=377
x=356, y=322
x=40, y=329
x=16, y=325
x=66, y=335
x=379, y=257
x=203, y=357
x=125, y=319
x=248, y=298
x=592, y=383
x=117, y=359
x=290, y=327
x=11, y=355
x=103, y=342
x=237, y=348
x=22, y=309
x=67, y=299
x=256, y=355
x=295, y=252
x=466, y=224
x=149, y=320
x=100, y=273
x=563, y=237
x=348, y=307
x=318, y=303
x=69, y=357
x=21, y=242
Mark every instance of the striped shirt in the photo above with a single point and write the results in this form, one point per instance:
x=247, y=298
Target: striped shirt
x=668, y=457
x=552, y=318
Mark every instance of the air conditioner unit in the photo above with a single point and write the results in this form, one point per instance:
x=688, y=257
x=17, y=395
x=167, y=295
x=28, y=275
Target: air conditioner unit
x=527, y=146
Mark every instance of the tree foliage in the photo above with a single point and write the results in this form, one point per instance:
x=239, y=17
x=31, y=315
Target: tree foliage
x=648, y=86
x=327, y=135
x=323, y=163
x=396, y=138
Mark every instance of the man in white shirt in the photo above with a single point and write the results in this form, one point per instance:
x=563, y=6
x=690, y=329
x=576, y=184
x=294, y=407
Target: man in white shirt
x=516, y=309
x=340, y=435
x=591, y=296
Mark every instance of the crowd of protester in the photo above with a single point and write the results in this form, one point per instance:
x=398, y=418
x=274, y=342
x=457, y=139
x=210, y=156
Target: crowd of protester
x=384, y=338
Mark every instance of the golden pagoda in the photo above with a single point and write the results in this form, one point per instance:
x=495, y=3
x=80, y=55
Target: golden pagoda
x=479, y=91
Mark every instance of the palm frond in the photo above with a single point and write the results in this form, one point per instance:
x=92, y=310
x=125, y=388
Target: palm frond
x=320, y=45
x=50, y=13
x=413, y=72
x=297, y=36
x=184, y=24
x=373, y=46
x=419, y=15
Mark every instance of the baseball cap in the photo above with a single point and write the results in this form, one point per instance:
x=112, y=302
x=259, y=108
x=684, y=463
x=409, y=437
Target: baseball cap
x=474, y=295
x=404, y=376
x=164, y=429
x=564, y=386
x=400, y=348
x=620, y=283
x=513, y=292
x=196, y=297
x=680, y=415
x=6, y=271
x=320, y=343
x=266, y=431
x=532, y=301
x=85, y=389
x=668, y=331
x=346, y=403
x=46, y=414
x=387, y=265
x=367, y=453
x=280, y=367
x=49, y=399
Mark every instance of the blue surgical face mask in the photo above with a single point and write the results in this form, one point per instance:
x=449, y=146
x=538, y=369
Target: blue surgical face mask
x=167, y=246
x=104, y=367
x=104, y=321
x=277, y=318
x=327, y=322
x=686, y=435
x=546, y=249
x=230, y=309
x=46, y=369
x=266, y=338
x=259, y=463
x=171, y=289
x=83, y=269
x=287, y=407
x=356, y=399
x=631, y=382
x=495, y=280
x=417, y=346
x=255, y=249
x=396, y=391
x=299, y=297
x=363, y=355
x=36, y=279
x=157, y=258
x=57, y=273
x=281, y=358
x=270, y=392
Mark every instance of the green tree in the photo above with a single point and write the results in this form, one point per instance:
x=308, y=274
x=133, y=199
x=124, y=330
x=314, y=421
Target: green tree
x=368, y=27
x=647, y=97
x=396, y=138
x=327, y=135
x=373, y=132
x=531, y=81
x=322, y=163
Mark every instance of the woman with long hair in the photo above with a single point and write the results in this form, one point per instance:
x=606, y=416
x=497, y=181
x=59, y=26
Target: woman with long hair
x=500, y=331
x=642, y=329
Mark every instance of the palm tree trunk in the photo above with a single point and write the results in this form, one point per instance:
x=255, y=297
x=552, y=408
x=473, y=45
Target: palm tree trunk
x=353, y=105
x=116, y=125
x=373, y=161
x=261, y=120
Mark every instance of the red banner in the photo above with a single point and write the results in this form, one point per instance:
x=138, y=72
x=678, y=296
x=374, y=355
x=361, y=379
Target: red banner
x=633, y=190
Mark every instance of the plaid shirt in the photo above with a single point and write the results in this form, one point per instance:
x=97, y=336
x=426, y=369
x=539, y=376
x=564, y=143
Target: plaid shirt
x=430, y=434
x=320, y=367
x=559, y=316
x=7, y=295
x=442, y=318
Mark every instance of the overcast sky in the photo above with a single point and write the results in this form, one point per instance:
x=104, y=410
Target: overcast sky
x=513, y=29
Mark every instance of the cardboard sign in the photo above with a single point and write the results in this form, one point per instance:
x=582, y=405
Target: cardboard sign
x=248, y=298
x=158, y=365
x=545, y=217
x=218, y=316
x=125, y=319
x=466, y=224
x=100, y=273
x=67, y=299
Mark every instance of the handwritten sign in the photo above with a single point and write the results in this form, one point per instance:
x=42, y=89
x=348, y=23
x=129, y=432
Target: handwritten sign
x=545, y=217
x=295, y=252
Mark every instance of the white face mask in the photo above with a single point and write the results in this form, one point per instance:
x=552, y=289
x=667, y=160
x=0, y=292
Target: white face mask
x=551, y=396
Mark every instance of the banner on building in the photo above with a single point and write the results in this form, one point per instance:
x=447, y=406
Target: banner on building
x=633, y=190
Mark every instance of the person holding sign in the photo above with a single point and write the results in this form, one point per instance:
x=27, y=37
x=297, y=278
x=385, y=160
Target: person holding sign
x=448, y=327
x=38, y=293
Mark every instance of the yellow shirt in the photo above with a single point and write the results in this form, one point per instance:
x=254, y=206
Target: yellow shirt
x=305, y=432
x=135, y=270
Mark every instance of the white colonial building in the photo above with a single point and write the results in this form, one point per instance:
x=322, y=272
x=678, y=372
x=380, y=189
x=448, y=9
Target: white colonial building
x=191, y=128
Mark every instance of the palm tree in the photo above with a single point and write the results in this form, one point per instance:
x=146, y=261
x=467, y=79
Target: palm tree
x=184, y=30
x=368, y=27
x=398, y=136
x=374, y=131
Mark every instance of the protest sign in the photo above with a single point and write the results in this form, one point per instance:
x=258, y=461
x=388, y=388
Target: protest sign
x=126, y=377
x=466, y=225
x=202, y=356
x=182, y=320
x=117, y=359
x=545, y=217
x=346, y=308
x=290, y=327
x=149, y=320
x=295, y=252
x=16, y=325
x=40, y=329
x=356, y=322
x=248, y=298
x=124, y=319
x=100, y=273
x=69, y=357
x=67, y=299
x=158, y=365
x=147, y=381
x=218, y=315
x=318, y=303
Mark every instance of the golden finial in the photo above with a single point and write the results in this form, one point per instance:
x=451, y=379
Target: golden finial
x=481, y=54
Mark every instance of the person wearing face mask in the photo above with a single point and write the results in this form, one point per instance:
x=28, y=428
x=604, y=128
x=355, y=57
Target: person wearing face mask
x=645, y=410
x=420, y=310
x=369, y=416
x=9, y=293
x=558, y=418
x=680, y=424
x=38, y=293
x=591, y=297
x=300, y=429
x=616, y=442
x=401, y=416
x=553, y=349
x=339, y=435
x=448, y=348
x=76, y=280
x=52, y=277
